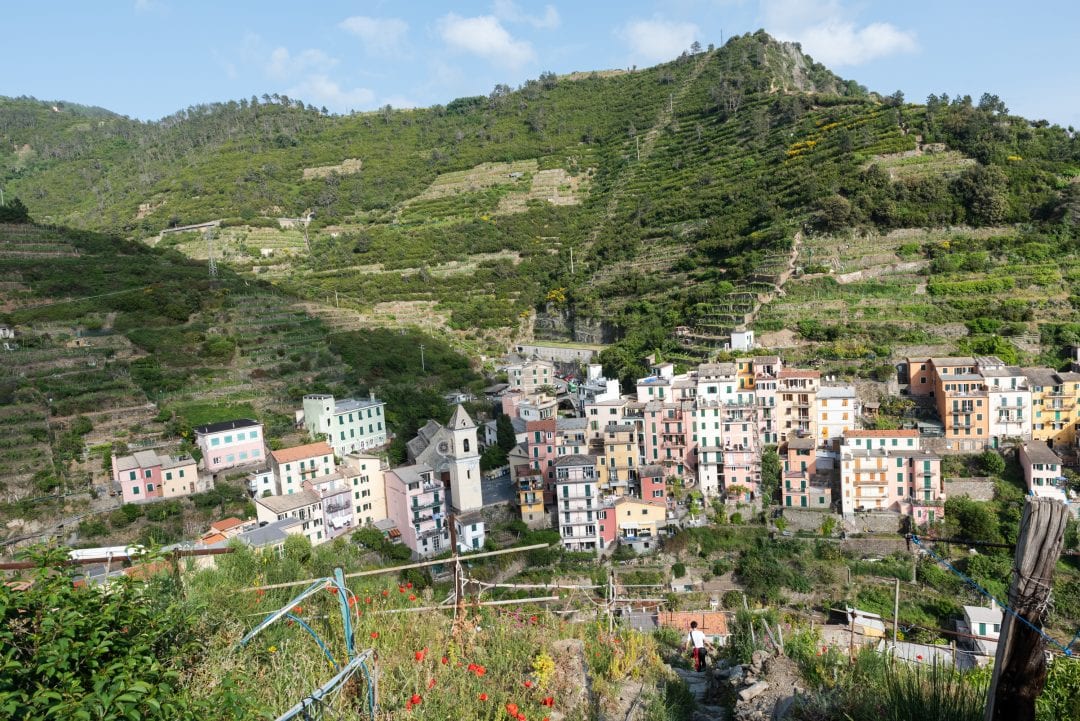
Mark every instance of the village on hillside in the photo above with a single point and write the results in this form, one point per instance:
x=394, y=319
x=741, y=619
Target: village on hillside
x=606, y=468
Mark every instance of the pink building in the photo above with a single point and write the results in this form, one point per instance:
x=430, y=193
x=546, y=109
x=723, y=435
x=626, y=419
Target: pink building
x=230, y=443
x=653, y=483
x=541, y=446
x=146, y=476
x=420, y=506
x=669, y=439
x=889, y=470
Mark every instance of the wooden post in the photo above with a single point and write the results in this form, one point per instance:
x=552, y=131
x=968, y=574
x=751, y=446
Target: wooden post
x=895, y=613
x=1020, y=666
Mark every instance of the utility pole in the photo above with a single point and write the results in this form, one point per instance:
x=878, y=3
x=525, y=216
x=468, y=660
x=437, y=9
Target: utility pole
x=1, y=196
x=637, y=145
x=1020, y=665
x=571, y=260
x=423, y=367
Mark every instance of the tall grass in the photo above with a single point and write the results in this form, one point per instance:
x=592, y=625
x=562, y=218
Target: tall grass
x=935, y=693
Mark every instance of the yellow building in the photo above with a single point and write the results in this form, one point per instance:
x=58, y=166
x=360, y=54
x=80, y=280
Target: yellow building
x=617, y=456
x=1055, y=406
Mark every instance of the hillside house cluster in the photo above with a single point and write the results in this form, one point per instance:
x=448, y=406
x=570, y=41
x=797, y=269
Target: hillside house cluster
x=705, y=428
x=321, y=493
x=348, y=425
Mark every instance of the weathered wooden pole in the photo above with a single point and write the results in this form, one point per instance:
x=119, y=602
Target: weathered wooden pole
x=1020, y=666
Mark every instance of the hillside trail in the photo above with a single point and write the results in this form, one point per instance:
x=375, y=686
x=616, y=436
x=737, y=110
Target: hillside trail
x=766, y=298
x=647, y=144
x=698, y=683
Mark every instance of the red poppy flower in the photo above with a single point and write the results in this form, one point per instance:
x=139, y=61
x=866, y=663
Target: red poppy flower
x=408, y=585
x=416, y=699
x=333, y=589
x=528, y=684
x=412, y=596
x=445, y=660
x=431, y=683
x=385, y=593
x=549, y=701
x=520, y=716
x=919, y=657
x=480, y=670
x=401, y=589
x=472, y=667
x=367, y=599
x=260, y=592
x=374, y=634
x=419, y=655
x=532, y=619
x=483, y=697
x=352, y=601
x=298, y=610
x=512, y=709
x=408, y=705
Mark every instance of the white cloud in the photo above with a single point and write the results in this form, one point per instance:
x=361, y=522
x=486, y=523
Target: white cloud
x=283, y=65
x=485, y=37
x=509, y=11
x=380, y=36
x=827, y=30
x=318, y=89
x=657, y=40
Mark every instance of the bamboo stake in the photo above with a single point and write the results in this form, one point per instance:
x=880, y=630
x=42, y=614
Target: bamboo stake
x=393, y=569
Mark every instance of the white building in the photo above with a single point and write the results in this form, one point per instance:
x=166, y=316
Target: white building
x=985, y=622
x=1008, y=401
x=470, y=531
x=742, y=340
x=577, y=496
x=349, y=425
x=293, y=466
x=1042, y=471
x=365, y=475
x=304, y=506
x=263, y=482
x=837, y=410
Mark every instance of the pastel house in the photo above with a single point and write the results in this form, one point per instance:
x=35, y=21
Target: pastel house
x=230, y=443
x=146, y=476
x=1042, y=471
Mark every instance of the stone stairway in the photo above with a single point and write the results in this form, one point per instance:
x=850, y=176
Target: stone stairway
x=698, y=683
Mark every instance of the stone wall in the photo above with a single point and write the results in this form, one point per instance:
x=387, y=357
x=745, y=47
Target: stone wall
x=978, y=489
x=807, y=520
x=873, y=522
x=873, y=547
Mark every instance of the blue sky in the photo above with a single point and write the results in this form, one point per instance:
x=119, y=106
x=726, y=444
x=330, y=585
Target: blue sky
x=148, y=58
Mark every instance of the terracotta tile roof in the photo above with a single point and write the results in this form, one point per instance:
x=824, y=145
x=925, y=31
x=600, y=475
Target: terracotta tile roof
x=226, y=523
x=287, y=455
x=900, y=433
x=212, y=538
x=711, y=623
x=798, y=373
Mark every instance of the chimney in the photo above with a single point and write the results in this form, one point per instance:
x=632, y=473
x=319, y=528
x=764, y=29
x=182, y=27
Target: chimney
x=993, y=605
x=371, y=395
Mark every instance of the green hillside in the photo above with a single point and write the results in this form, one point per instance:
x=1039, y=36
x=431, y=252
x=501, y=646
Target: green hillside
x=687, y=195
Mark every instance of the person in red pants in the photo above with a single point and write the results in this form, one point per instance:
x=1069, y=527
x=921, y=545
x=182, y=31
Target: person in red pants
x=698, y=646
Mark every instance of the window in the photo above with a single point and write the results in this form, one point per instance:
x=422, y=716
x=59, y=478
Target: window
x=168, y=475
x=149, y=487
x=132, y=476
x=135, y=490
x=465, y=443
x=215, y=441
x=148, y=474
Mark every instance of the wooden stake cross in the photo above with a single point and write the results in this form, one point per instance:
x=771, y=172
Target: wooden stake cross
x=1020, y=666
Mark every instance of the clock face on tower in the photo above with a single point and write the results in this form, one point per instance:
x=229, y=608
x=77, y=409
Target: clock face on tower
x=444, y=447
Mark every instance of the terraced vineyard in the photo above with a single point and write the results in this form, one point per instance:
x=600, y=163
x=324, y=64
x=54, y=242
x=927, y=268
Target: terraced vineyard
x=923, y=292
